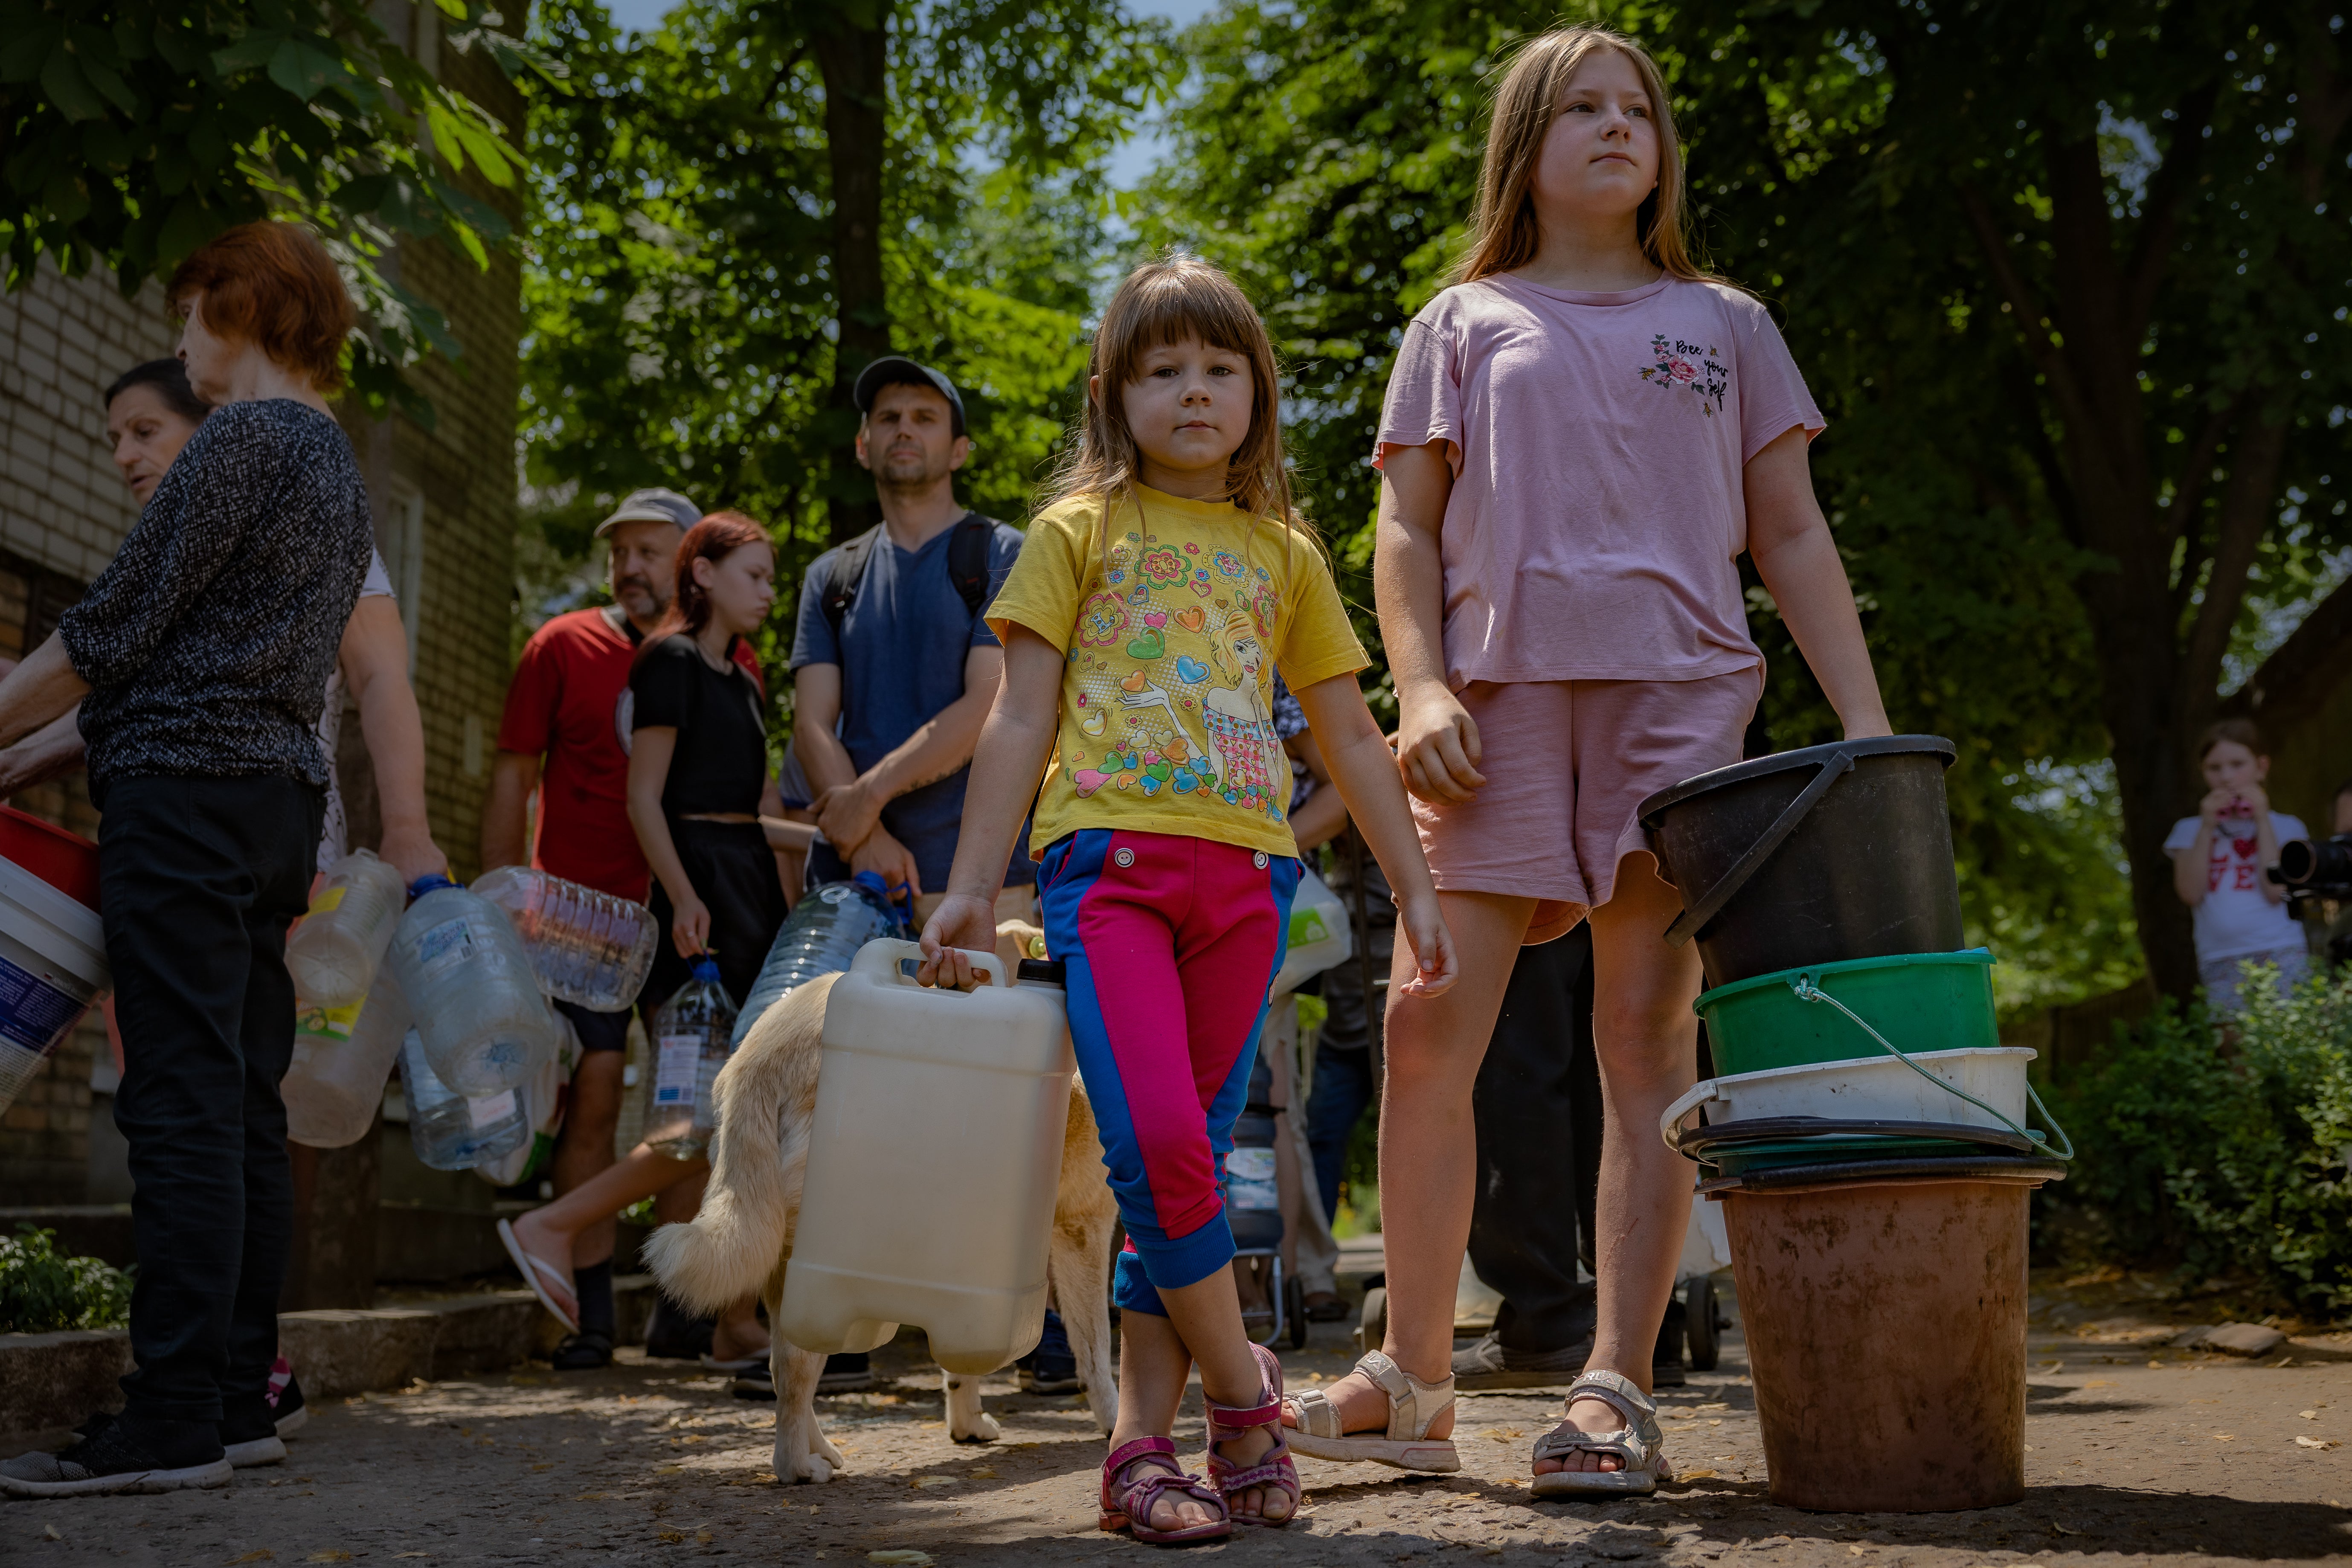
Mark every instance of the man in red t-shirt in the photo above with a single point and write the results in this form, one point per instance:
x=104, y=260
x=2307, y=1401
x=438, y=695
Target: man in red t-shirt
x=560, y=738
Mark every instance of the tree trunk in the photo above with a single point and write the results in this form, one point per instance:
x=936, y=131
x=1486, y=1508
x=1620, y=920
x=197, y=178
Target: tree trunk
x=856, y=63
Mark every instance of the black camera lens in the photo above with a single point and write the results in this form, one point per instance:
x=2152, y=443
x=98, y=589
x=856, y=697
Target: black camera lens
x=2323, y=866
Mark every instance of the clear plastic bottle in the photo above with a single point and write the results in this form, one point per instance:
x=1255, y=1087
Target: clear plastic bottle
x=450, y=1131
x=545, y=1100
x=334, y=953
x=691, y=1041
x=589, y=948
x=472, y=990
x=342, y=1058
x=823, y=933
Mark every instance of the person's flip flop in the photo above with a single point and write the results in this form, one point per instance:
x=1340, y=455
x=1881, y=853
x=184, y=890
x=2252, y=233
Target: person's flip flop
x=544, y=1278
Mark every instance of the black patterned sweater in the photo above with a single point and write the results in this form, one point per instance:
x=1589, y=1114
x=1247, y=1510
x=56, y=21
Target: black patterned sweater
x=208, y=640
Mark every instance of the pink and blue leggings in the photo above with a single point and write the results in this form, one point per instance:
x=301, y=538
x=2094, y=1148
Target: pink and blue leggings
x=1170, y=945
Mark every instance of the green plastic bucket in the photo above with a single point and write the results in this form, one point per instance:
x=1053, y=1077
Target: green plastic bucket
x=1920, y=1001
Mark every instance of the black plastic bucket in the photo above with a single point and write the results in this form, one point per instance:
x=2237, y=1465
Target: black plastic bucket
x=1812, y=857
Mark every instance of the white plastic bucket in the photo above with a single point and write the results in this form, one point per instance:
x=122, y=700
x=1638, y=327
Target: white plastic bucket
x=52, y=968
x=1868, y=1089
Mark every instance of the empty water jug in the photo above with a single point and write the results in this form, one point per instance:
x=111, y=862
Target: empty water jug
x=451, y=1131
x=823, y=933
x=545, y=1100
x=589, y=948
x=342, y=1057
x=1320, y=934
x=471, y=989
x=691, y=1036
x=934, y=1156
x=334, y=953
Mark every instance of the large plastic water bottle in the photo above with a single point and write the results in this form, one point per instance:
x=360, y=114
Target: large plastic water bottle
x=589, y=948
x=342, y=1058
x=472, y=990
x=823, y=933
x=451, y=1131
x=692, y=1035
x=545, y=1099
x=334, y=953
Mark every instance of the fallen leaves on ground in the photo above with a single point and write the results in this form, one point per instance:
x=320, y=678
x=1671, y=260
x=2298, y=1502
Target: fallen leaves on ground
x=258, y=1554
x=2320, y=1442
x=903, y=1558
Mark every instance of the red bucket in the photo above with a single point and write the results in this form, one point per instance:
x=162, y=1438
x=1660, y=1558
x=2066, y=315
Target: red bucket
x=66, y=861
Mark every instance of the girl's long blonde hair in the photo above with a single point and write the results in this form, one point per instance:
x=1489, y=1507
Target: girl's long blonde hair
x=1504, y=235
x=1168, y=300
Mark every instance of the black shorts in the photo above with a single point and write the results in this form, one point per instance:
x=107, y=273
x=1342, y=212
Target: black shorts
x=597, y=1031
x=734, y=873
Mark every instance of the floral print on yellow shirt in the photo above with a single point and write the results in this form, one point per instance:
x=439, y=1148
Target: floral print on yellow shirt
x=1170, y=639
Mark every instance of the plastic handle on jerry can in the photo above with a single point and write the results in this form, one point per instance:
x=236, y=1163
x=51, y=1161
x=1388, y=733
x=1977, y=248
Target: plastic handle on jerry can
x=1699, y=1094
x=1688, y=923
x=879, y=960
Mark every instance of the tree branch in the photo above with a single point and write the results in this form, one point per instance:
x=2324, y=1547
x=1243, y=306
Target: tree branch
x=2305, y=671
x=2247, y=500
x=2027, y=307
x=2169, y=191
x=2188, y=488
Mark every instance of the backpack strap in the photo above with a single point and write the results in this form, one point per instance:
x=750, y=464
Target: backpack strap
x=968, y=560
x=848, y=572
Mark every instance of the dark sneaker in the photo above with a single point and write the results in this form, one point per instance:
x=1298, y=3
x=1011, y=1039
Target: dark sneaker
x=1326, y=1307
x=1485, y=1364
x=590, y=1350
x=756, y=1383
x=288, y=1413
x=846, y=1374
x=1050, y=1368
x=124, y=1455
x=672, y=1335
x=250, y=1437
x=1666, y=1369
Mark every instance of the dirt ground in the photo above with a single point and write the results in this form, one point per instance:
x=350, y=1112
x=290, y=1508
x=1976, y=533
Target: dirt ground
x=2137, y=1452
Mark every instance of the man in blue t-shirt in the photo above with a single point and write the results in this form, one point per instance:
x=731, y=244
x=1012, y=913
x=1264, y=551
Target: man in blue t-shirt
x=893, y=666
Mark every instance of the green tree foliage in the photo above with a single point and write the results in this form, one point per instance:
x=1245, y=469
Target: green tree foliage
x=686, y=285
x=2226, y=1156
x=136, y=130
x=2053, y=584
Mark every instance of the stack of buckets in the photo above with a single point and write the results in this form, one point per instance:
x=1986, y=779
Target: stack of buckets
x=1866, y=1131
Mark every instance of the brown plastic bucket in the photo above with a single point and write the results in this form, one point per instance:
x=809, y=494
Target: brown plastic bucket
x=1885, y=1328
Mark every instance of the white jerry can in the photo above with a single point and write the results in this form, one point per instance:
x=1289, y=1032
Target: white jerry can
x=933, y=1161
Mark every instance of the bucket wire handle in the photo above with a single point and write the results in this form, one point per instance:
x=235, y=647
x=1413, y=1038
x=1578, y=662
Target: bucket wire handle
x=1686, y=924
x=1808, y=992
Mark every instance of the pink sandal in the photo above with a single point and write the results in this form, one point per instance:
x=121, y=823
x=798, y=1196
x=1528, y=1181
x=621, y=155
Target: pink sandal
x=1128, y=1496
x=1274, y=1471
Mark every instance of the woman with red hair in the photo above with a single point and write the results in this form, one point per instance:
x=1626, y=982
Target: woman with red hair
x=199, y=658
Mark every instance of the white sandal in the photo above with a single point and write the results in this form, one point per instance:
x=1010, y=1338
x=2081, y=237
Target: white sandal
x=1406, y=1445
x=1639, y=1444
x=545, y=1279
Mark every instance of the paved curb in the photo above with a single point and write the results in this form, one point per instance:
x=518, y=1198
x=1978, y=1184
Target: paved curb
x=50, y=1380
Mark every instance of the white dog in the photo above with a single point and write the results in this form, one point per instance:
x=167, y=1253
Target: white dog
x=742, y=1239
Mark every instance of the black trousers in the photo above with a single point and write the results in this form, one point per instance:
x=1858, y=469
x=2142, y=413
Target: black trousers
x=1537, y=1106
x=200, y=878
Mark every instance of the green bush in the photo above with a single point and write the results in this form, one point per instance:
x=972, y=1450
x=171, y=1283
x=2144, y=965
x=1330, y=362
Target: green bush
x=2226, y=1152
x=42, y=1290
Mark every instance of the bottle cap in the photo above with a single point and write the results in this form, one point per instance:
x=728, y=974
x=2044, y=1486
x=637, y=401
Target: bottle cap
x=423, y=885
x=706, y=968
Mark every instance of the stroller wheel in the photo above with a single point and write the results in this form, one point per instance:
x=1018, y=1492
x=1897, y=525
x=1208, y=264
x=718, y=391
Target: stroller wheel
x=1373, y=1328
x=1701, y=1324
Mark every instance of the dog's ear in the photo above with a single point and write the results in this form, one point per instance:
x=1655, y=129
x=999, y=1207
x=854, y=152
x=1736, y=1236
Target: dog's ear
x=1017, y=939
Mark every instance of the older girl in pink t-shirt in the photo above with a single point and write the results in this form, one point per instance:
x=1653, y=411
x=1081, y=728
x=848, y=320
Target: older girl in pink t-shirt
x=1582, y=435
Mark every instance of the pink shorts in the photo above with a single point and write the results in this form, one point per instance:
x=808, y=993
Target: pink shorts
x=1568, y=764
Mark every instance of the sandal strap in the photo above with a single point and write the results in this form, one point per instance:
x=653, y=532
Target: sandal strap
x=1616, y=1390
x=1136, y=1498
x=1127, y=1453
x=1228, y=1421
x=1412, y=1404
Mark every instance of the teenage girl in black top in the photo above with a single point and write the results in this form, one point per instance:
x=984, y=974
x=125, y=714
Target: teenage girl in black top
x=699, y=762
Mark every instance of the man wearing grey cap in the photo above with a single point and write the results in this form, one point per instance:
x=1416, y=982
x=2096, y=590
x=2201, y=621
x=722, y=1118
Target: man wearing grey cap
x=560, y=738
x=893, y=666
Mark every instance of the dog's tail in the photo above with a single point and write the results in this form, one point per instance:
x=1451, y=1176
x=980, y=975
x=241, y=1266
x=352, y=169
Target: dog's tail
x=766, y=1100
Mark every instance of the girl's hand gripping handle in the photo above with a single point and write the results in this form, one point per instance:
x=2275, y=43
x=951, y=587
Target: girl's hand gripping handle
x=963, y=927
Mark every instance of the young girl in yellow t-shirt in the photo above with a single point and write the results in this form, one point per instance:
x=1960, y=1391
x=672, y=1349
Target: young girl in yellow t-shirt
x=1142, y=626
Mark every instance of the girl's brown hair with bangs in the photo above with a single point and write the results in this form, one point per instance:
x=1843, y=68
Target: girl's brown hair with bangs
x=1166, y=300
x=1504, y=235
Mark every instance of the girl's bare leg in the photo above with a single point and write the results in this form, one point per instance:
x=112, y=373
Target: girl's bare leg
x=1429, y=1154
x=1153, y=1365
x=548, y=1230
x=740, y=1333
x=1647, y=1038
